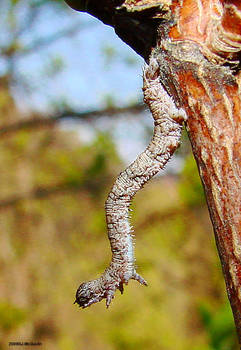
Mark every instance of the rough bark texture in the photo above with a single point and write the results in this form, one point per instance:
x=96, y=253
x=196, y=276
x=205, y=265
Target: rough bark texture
x=197, y=44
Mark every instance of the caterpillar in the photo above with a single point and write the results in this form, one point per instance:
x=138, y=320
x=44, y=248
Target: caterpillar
x=168, y=120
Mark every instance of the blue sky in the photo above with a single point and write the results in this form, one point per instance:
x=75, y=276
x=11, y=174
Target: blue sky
x=87, y=77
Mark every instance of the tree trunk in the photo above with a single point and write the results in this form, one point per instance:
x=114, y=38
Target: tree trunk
x=198, y=47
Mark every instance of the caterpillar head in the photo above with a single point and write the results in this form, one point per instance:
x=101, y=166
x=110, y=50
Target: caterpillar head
x=88, y=293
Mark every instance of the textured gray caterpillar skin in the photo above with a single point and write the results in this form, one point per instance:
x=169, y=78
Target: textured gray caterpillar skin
x=166, y=138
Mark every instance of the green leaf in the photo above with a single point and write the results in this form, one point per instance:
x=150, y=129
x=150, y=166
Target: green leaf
x=11, y=316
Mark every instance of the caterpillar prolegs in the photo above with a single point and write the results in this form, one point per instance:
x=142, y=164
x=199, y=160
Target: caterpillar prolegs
x=166, y=138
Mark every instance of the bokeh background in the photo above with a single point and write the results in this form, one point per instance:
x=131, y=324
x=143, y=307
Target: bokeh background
x=71, y=119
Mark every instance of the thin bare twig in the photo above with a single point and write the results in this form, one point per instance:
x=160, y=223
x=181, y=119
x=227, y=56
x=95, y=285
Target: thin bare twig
x=43, y=122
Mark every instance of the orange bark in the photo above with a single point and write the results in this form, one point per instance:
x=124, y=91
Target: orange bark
x=214, y=127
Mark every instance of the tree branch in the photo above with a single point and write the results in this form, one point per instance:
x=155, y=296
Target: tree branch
x=37, y=193
x=136, y=29
x=13, y=51
x=38, y=122
x=44, y=192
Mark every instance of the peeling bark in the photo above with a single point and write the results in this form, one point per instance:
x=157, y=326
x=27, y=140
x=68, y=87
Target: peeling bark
x=197, y=44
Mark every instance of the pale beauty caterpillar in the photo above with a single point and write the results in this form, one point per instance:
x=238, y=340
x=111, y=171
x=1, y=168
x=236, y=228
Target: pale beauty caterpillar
x=168, y=120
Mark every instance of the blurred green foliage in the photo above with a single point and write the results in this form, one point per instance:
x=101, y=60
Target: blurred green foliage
x=190, y=187
x=11, y=316
x=219, y=326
